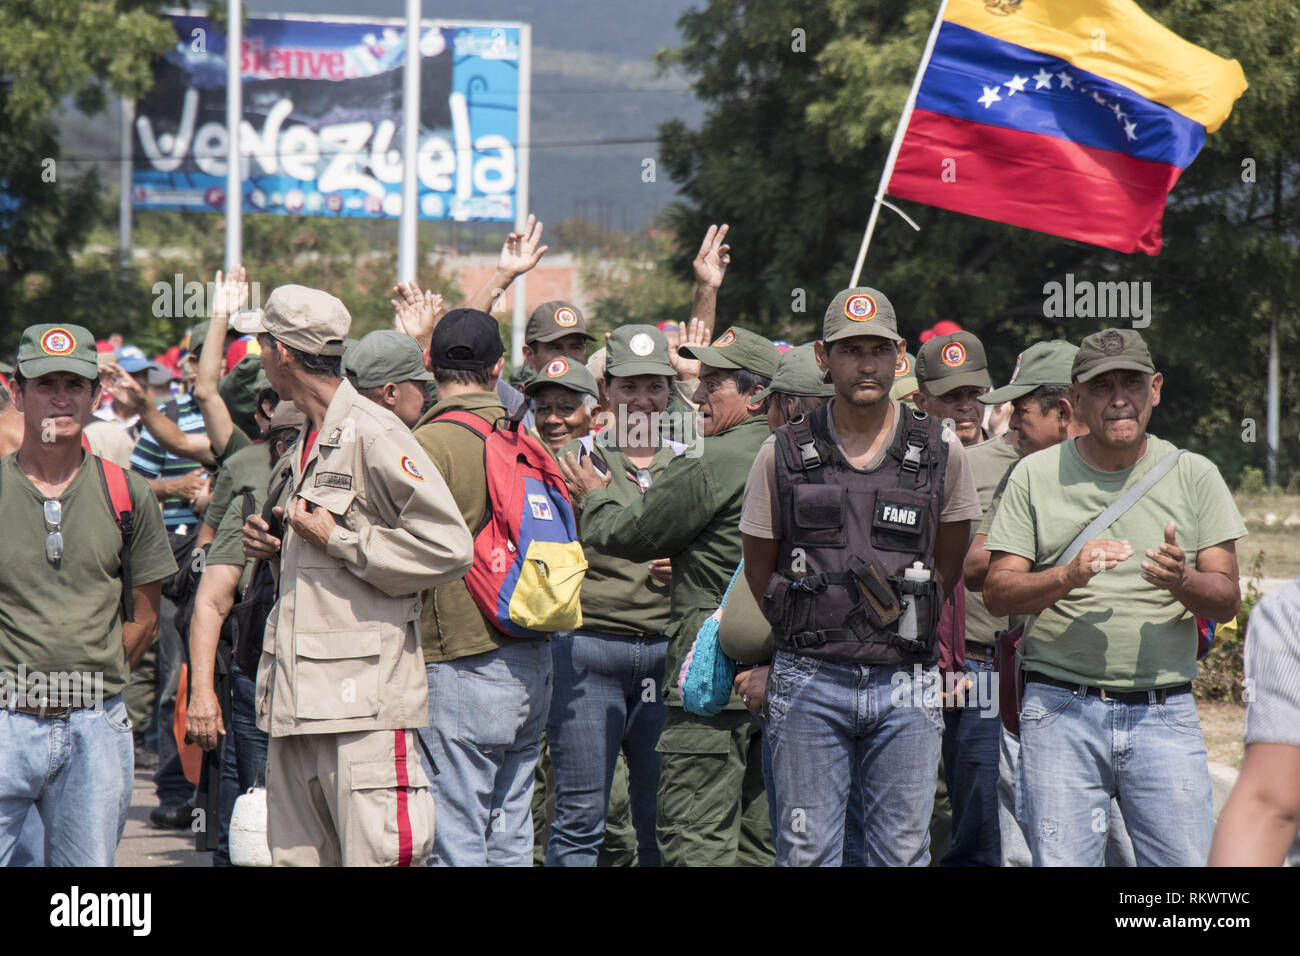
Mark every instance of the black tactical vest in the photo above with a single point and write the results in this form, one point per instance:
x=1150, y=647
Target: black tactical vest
x=846, y=537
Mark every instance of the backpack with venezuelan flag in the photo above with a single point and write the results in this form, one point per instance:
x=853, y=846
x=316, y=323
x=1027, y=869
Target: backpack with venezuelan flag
x=528, y=562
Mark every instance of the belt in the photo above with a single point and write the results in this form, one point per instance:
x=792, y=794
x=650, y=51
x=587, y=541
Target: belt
x=1119, y=697
x=981, y=652
x=45, y=710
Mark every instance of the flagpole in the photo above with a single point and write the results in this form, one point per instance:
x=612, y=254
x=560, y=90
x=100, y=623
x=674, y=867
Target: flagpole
x=897, y=144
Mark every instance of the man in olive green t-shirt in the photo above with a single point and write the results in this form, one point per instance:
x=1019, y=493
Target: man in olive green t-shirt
x=65, y=648
x=1108, y=710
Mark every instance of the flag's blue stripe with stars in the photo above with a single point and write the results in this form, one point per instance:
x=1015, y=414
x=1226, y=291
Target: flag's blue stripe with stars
x=976, y=77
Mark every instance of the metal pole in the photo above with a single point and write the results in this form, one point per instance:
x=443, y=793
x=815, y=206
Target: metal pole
x=1274, y=397
x=234, y=115
x=897, y=144
x=521, y=184
x=124, y=185
x=406, y=244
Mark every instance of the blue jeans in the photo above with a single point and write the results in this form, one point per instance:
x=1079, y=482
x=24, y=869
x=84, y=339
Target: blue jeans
x=1079, y=751
x=833, y=726
x=77, y=771
x=606, y=697
x=970, y=762
x=173, y=788
x=243, y=756
x=1015, y=851
x=486, y=716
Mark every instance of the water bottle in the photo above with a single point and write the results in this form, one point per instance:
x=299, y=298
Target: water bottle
x=916, y=576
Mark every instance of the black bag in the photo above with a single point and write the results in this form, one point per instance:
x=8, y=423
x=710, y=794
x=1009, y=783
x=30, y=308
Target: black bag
x=248, y=617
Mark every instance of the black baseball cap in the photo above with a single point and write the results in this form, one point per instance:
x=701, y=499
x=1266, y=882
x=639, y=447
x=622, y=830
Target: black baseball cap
x=466, y=339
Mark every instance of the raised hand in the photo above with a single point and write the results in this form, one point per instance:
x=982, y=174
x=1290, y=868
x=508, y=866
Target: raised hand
x=694, y=332
x=124, y=388
x=229, y=293
x=521, y=251
x=713, y=258
x=417, y=312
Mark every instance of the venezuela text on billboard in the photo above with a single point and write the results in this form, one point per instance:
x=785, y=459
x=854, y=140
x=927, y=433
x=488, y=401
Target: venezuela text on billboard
x=322, y=120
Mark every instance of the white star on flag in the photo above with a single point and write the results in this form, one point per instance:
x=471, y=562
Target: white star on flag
x=1130, y=130
x=990, y=96
x=1066, y=80
x=1097, y=97
x=1042, y=78
x=1016, y=84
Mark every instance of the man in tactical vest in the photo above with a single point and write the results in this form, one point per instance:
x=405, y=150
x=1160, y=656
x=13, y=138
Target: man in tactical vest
x=855, y=521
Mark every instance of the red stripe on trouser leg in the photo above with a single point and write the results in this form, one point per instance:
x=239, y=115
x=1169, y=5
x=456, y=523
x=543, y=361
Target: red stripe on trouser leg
x=403, y=817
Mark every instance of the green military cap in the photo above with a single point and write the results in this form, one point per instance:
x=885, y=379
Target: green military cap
x=57, y=348
x=384, y=356
x=1043, y=363
x=904, y=376
x=554, y=320
x=1105, y=351
x=859, y=311
x=239, y=389
x=797, y=373
x=565, y=373
x=952, y=361
x=637, y=350
x=6, y=368
x=199, y=334
x=737, y=348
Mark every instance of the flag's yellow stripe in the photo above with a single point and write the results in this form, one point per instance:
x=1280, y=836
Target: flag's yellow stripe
x=1131, y=49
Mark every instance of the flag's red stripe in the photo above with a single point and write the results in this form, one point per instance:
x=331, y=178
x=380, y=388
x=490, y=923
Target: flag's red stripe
x=1034, y=181
x=403, y=815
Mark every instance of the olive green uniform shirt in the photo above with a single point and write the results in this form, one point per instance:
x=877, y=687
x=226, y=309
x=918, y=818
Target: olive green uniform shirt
x=243, y=471
x=1119, y=631
x=990, y=461
x=227, y=547
x=690, y=514
x=67, y=618
x=618, y=595
x=451, y=624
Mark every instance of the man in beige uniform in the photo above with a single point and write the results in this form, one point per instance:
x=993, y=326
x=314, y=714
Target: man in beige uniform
x=341, y=687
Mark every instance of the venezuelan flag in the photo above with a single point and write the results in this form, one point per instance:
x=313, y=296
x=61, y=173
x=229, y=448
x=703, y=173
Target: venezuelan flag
x=1071, y=117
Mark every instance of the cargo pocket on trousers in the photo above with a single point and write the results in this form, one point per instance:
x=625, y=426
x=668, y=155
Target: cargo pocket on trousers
x=388, y=824
x=693, y=788
x=337, y=674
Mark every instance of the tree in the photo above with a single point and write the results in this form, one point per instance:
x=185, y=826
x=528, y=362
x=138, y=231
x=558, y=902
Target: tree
x=794, y=144
x=49, y=50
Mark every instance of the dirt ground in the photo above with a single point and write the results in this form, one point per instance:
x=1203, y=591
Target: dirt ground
x=1273, y=530
x=1222, y=725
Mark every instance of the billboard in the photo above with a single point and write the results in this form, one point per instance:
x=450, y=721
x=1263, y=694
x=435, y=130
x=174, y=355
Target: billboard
x=322, y=127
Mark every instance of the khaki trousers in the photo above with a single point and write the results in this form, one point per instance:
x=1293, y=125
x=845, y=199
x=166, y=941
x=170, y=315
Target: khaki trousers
x=354, y=799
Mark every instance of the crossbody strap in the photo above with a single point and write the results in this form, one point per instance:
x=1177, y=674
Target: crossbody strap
x=1121, y=504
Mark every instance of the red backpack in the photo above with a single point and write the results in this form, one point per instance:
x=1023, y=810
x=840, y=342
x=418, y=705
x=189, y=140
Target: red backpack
x=117, y=492
x=528, y=562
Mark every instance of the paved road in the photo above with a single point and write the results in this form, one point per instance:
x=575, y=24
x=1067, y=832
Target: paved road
x=142, y=845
